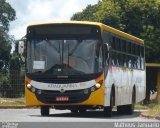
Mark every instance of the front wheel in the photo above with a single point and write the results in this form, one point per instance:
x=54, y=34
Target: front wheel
x=44, y=110
x=108, y=109
x=74, y=110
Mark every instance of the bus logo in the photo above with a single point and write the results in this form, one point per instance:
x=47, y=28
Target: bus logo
x=62, y=90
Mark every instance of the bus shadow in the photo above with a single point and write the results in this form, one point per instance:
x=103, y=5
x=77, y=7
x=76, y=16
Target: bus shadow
x=93, y=115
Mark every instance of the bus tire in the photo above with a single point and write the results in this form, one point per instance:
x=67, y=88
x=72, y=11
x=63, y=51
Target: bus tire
x=44, y=111
x=127, y=109
x=74, y=110
x=82, y=110
x=108, y=109
x=121, y=109
x=130, y=107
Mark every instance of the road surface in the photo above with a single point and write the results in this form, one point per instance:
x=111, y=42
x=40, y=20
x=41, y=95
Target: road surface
x=30, y=118
x=33, y=115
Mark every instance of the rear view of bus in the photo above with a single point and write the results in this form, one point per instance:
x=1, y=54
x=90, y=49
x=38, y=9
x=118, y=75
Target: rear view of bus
x=64, y=67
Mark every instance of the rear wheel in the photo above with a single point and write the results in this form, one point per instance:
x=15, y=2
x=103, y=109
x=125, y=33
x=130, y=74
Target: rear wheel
x=44, y=110
x=127, y=109
x=130, y=108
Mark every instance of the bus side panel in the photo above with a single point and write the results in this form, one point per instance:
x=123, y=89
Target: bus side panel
x=124, y=79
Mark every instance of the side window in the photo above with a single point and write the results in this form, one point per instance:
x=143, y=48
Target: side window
x=124, y=60
x=128, y=47
x=133, y=49
x=120, y=57
x=123, y=45
x=142, y=57
x=130, y=61
x=106, y=37
x=133, y=61
x=118, y=44
x=142, y=51
x=113, y=43
x=138, y=50
x=139, y=62
x=114, y=60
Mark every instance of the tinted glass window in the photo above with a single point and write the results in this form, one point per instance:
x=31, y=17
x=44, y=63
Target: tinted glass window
x=123, y=45
x=113, y=43
x=128, y=47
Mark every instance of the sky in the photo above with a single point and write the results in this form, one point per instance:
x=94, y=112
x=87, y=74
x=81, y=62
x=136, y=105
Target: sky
x=35, y=11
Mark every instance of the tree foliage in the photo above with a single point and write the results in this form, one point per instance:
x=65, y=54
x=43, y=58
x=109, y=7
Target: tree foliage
x=7, y=14
x=87, y=14
x=140, y=18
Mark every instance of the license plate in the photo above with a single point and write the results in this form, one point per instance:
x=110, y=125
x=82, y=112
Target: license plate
x=62, y=98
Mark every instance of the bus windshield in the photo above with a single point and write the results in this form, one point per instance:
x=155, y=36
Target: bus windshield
x=64, y=57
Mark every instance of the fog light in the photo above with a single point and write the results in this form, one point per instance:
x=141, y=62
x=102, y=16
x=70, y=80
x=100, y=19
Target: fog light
x=33, y=89
x=39, y=91
x=29, y=85
x=92, y=89
x=86, y=91
x=98, y=85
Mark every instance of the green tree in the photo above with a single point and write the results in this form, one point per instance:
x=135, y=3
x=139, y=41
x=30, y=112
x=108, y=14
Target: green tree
x=86, y=14
x=7, y=14
x=140, y=18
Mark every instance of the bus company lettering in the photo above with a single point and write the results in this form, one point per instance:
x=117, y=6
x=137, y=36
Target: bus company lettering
x=63, y=86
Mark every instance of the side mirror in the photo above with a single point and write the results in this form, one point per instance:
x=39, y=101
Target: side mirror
x=21, y=49
x=106, y=49
x=106, y=52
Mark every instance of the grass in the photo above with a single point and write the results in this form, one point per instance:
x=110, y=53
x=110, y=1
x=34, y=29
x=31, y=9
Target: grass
x=153, y=111
x=12, y=102
x=141, y=106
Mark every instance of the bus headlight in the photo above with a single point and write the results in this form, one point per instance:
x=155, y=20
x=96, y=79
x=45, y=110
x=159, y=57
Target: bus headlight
x=98, y=85
x=29, y=86
x=33, y=89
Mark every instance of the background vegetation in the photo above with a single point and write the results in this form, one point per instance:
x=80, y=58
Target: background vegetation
x=140, y=18
x=10, y=76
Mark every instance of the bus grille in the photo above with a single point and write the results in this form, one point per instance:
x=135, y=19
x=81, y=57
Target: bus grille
x=75, y=96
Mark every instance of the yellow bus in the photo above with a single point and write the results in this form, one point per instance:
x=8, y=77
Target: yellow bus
x=80, y=65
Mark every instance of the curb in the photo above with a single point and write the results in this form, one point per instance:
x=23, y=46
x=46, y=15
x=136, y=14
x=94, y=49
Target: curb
x=17, y=107
x=150, y=117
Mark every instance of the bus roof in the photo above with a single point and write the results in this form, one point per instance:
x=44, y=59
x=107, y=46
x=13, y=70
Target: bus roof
x=103, y=26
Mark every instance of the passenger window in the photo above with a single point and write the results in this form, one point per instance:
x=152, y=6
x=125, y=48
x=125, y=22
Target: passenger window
x=114, y=61
x=118, y=44
x=138, y=50
x=128, y=47
x=133, y=49
x=113, y=43
x=123, y=45
x=130, y=61
x=142, y=51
